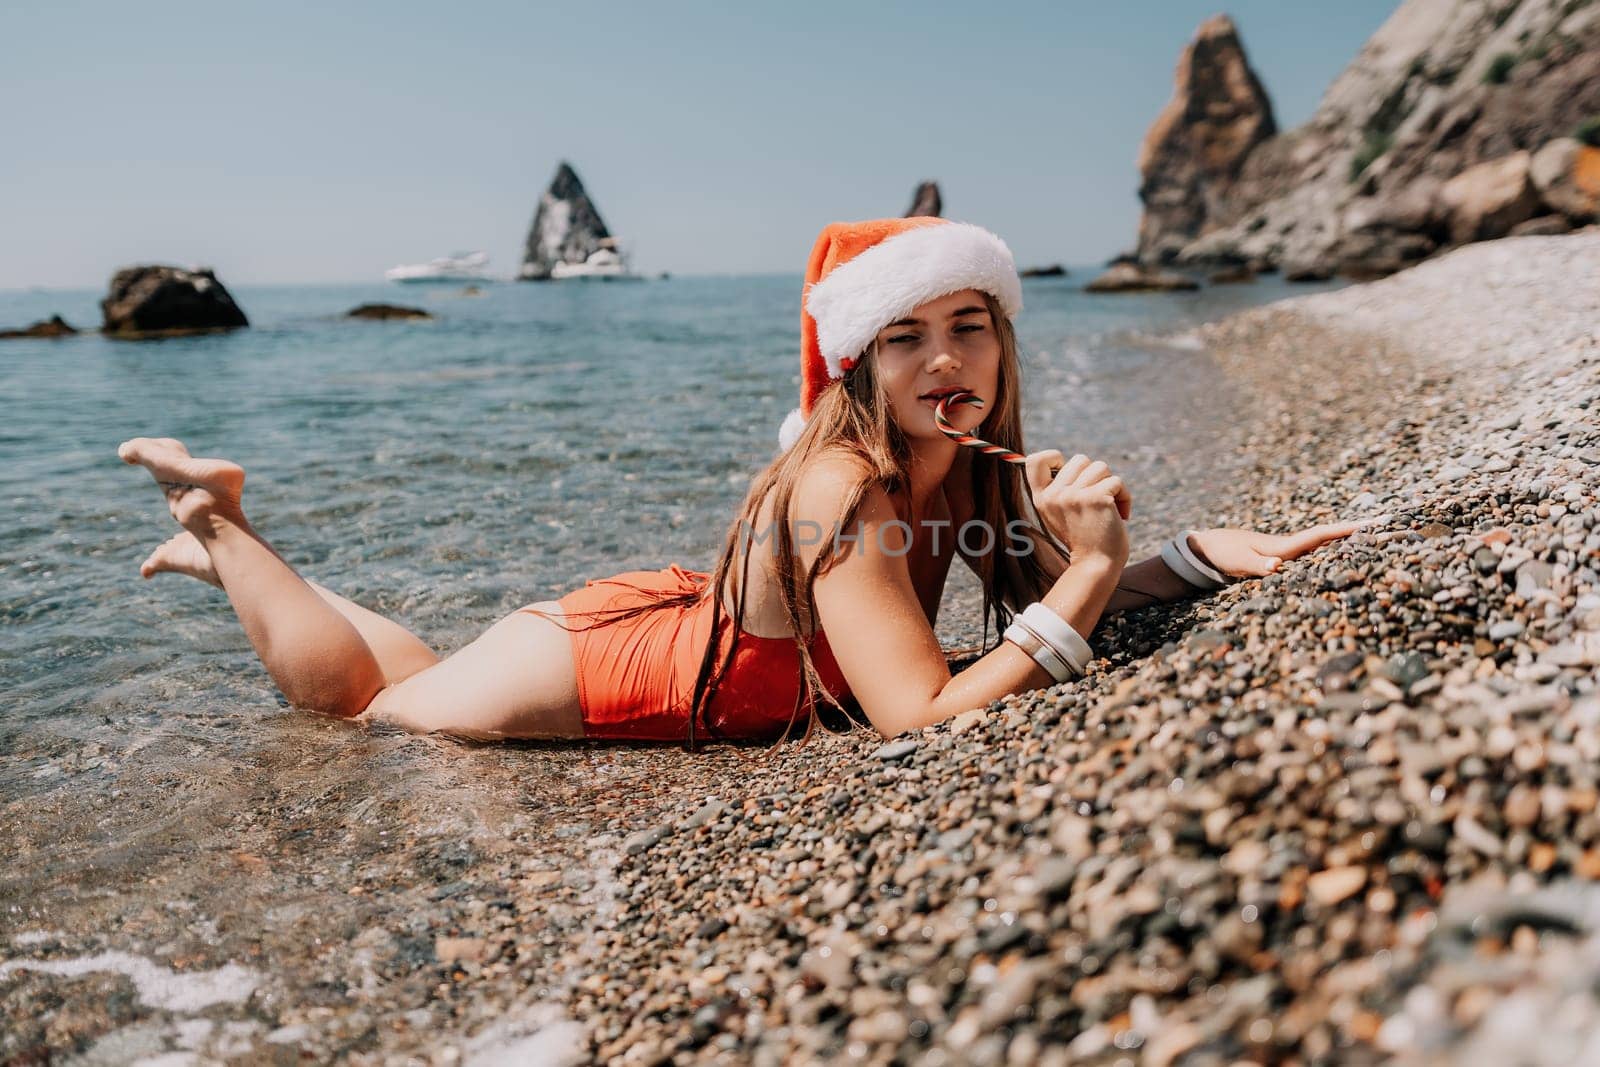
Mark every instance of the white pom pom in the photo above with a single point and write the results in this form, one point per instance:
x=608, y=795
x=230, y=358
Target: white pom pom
x=793, y=425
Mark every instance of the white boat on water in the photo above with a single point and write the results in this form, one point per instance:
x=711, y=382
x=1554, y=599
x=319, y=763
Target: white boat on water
x=605, y=263
x=461, y=267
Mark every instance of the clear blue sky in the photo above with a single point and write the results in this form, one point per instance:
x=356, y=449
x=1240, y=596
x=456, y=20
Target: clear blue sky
x=292, y=141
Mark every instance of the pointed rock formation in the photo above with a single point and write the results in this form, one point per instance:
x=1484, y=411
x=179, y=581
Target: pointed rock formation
x=1192, y=155
x=926, y=201
x=566, y=228
x=159, y=300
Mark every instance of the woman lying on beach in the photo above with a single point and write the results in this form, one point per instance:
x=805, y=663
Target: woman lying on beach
x=830, y=577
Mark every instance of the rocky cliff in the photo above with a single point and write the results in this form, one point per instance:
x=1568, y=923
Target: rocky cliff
x=566, y=228
x=1459, y=120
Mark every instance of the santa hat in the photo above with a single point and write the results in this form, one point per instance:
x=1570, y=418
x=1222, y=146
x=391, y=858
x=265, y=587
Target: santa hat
x=864, y=275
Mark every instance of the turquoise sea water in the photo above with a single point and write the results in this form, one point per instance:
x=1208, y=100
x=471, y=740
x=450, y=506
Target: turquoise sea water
x=443, y=472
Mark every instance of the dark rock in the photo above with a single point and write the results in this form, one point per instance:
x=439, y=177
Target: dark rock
x=645, y=840
x=1131, y=278
x=926, y=201
x=566, y=228
x=1543, y=226
x=160, y=300
x=1405, y=669
x=1232, y=276
x=895, y=750
x=1054, y=270
x=386, y=311
x=1337, y=672
x=710, y=929
x=54, y=326
x=1307, y=272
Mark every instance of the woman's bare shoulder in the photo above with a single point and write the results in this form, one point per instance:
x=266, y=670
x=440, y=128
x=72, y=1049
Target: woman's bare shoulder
x=828, y=478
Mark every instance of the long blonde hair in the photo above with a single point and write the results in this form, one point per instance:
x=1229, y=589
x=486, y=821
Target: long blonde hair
x=851, y=417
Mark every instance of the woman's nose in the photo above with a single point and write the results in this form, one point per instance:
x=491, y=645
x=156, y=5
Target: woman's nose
x=943, y=357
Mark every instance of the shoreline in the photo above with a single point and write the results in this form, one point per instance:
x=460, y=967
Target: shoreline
x=1197, y=854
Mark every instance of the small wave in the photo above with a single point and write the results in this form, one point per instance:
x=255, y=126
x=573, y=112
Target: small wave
x=158, y=987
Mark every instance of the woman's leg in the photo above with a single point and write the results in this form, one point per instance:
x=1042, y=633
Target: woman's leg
x=315, y=655
x=400, y=653
x=517, y=680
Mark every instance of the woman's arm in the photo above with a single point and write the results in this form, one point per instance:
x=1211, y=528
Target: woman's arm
x=1235, y=553
x=1150, y=581
x=875, y=625
x=1140, y=584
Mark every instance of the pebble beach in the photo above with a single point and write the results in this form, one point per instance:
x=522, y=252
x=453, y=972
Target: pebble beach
x=1345, y=813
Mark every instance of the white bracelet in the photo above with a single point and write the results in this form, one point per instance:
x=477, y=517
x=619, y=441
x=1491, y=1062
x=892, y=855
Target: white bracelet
x=1059, y=635
x=1177, y=555
x=1038, y=651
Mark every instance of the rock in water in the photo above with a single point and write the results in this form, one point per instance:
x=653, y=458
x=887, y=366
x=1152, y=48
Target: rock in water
x=1132, y=278
x=926, y=201
x=386, y=311
x=566, y=228
x=54, y=326
x=1235, y=275
x=1191, y=156
x=167, y=300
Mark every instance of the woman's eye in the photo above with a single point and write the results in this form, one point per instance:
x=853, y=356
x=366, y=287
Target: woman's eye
x=969, y=327
x=902, y=337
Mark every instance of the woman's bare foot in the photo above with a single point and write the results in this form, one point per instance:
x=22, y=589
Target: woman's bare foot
x=196, y=488
x=182, y=554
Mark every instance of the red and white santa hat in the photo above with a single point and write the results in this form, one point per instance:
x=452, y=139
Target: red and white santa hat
x=864, y=275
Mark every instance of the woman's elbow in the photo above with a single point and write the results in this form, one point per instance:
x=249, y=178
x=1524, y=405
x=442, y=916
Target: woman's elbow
x=893, y=722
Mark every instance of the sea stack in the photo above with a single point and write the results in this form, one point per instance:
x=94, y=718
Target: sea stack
x=157, y=300
x=566, y=229
x=1192, y=154
x=926, y=201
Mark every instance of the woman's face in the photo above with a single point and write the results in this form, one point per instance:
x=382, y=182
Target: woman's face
x=944, y=343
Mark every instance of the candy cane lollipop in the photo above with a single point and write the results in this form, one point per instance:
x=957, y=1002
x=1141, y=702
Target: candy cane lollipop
x=941, y=419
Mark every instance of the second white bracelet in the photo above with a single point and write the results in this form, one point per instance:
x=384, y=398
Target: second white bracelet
x=1177, y=555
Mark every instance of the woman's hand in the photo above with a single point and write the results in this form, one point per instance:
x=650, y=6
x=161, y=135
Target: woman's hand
x=1247, y=554
x=1082, y=503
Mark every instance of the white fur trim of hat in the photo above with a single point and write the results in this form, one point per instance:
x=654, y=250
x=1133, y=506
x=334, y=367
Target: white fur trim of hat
x=899, y=274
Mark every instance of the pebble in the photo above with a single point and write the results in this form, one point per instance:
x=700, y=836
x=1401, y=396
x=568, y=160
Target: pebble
x=895, y=750
x=1338, y=884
